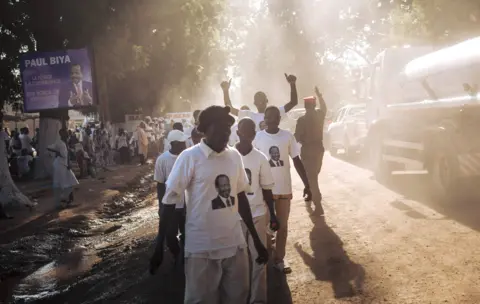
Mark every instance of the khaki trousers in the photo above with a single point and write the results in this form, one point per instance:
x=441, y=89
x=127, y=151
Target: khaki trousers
x=222, y=281
x=282, y=208
x=258, y=273
x=312, y=161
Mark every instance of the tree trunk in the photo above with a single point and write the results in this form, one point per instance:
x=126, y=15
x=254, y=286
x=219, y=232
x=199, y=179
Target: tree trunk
x=9, y=193
x=49, y=128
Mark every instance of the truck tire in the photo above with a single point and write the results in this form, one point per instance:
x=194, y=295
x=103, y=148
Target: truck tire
x=349, y=153
x=380, y=168
x=333, y=150
x=444, y=172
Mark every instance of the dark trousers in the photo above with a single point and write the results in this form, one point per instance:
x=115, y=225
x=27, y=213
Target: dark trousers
x=124, y=155
x=312, y=159
x=81, y=162
x=177, y=225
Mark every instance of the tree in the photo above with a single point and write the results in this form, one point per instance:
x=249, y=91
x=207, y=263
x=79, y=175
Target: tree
x=150, y=44
x=438, y=22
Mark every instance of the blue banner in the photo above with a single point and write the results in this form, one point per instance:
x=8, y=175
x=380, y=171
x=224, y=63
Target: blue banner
x=57, y=80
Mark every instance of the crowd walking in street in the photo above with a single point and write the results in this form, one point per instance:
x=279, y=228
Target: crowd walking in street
x=224, y=186
x=227, y=196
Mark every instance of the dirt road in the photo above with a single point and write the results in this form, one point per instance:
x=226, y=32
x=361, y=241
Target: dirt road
x=374, y=245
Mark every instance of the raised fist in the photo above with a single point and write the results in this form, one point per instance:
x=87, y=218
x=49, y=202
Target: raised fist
x=225, y=85
x=290, y=78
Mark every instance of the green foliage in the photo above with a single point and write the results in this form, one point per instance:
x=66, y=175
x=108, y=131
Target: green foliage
x=142, y=48
x=437, y=22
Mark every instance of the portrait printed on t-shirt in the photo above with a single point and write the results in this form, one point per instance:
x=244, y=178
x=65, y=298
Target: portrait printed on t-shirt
x=262, y=125
x=223, y=199
x=275, y=160
x=249, y=175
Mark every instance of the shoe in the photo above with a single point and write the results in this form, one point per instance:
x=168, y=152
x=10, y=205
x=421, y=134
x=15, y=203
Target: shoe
x=283, y=267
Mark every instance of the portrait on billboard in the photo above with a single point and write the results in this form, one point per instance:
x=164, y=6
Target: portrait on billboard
x=57, y=80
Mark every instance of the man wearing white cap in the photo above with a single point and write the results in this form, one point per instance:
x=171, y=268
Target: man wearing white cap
x=163, y=166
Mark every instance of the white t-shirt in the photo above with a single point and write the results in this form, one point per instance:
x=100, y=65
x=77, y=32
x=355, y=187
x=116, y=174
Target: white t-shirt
x=213, y=229
x=167, y=146
x=278, y=147
x=122, y=141
x=233, y=136
x=26, y=142
x=258, y=118
x=163, y=168
x=260, y=177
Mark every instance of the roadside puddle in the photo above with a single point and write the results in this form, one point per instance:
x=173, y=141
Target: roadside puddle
x=55, y=277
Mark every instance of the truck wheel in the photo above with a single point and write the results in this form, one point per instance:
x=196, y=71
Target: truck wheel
x=444, y=175
x=349, y=153
x=333, y=150
x=380, y=168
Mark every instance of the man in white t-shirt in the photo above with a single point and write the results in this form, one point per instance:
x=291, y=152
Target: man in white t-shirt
x=260, y=194
x=213, y=176
x=234, y=136
x=278, y=145
x=163, y=168
x=176, y=126
x=260, y=101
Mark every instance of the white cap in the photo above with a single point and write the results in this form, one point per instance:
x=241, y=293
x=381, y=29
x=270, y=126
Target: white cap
x=176, y=135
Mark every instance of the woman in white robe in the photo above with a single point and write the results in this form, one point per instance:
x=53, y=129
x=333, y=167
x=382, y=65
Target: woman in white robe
x=63, y=178
x=142, y=143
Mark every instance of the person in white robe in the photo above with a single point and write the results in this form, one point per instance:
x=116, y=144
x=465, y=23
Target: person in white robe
x=63, y=178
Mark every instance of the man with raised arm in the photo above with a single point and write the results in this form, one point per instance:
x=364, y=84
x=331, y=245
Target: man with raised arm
x=309, y=133
x=260, y=101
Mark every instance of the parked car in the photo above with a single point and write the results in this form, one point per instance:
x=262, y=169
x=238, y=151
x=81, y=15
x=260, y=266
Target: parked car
x=348, y=130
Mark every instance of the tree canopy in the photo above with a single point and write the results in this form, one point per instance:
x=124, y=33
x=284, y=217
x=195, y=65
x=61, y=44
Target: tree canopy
x=165, y=55
x=143, y=48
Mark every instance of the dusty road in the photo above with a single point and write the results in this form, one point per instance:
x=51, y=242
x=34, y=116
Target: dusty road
x=374, y=245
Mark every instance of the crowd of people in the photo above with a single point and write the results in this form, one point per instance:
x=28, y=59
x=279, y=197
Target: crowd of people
x=224, y=186
x=20, y=150
x=226, y=191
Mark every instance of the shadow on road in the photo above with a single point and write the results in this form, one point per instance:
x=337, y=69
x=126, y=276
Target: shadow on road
x=415, y=187
x=357, y=159
x=278, y=289
x=329, y=261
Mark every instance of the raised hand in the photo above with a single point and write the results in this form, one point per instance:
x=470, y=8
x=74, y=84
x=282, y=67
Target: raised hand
x=73, y=100
x=225, y=85
x=291, y=79
x=87, y=98
x=317, y=91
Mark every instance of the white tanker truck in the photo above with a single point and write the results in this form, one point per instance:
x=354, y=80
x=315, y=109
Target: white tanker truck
x=424, y=116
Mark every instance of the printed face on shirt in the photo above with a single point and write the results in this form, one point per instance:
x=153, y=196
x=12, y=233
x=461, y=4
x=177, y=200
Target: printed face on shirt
x=262, y=125
x=222, y=183
x=249, y=175
x=274, y=153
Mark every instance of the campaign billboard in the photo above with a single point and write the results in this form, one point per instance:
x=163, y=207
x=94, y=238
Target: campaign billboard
x=57, y=80
x=179, y=116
